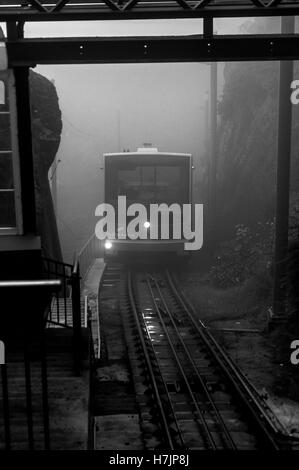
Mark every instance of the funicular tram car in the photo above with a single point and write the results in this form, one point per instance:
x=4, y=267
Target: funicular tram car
x=147, y=177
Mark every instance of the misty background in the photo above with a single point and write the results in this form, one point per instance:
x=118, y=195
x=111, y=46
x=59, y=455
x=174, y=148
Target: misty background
x=109, y=108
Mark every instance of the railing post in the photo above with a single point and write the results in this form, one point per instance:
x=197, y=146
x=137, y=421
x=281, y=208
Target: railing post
x=29, y=410
x=44, y=379
x=6, y=413
x=76, y=307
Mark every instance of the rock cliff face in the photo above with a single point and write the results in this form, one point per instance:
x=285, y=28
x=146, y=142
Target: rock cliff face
x=247, y=141
x=46, y=131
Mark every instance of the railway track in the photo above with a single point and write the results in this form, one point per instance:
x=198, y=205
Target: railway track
x=190, y=394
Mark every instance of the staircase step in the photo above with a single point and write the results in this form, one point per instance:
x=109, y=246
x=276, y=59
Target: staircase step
x=68, y=395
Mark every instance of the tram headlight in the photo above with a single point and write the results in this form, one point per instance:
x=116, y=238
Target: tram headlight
x=146, y=224
x=108, y=245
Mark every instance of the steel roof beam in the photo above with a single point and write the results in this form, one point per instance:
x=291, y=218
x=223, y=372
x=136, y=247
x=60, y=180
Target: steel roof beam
x=132, y=9
x=29, y=52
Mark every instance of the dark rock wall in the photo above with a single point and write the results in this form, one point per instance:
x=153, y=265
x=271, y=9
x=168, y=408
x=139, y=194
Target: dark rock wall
x=247, y=143
x=46, y=131
x=247, y=140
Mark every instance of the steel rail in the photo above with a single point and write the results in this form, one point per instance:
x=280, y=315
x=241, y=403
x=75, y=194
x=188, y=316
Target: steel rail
x=185, y=378
x=165, y=389
x=234, y=376
x=227, y=434
x=149, y=363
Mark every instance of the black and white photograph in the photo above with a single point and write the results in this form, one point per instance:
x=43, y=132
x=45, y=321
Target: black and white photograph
x=149, y=229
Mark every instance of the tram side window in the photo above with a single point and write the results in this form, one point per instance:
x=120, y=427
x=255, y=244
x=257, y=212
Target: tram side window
x=7, y=190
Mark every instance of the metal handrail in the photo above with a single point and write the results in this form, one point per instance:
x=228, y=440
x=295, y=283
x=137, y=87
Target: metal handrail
x=90, y=250
x=53, y=284
x=71, y=292
x=59, y=279
x=86, y=245
x=61, y=263
x=26, y=344
x=75, y=264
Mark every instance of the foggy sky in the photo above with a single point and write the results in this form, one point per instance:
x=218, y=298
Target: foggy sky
x=108, y=108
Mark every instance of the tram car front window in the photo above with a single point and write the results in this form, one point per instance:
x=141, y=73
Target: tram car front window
x=162, y=181
x=147, y=177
